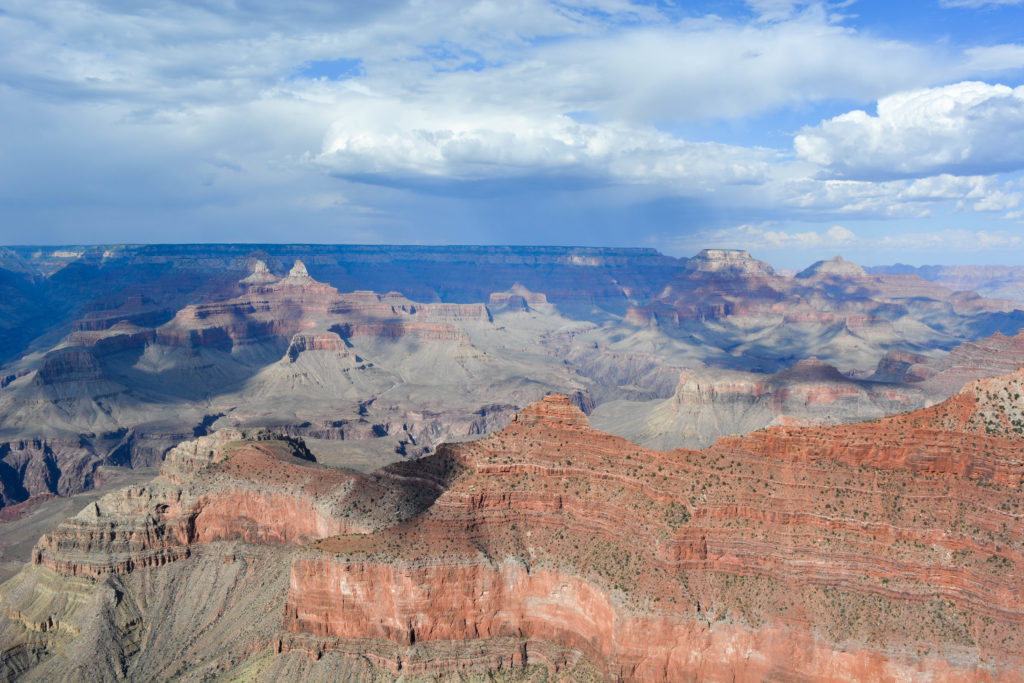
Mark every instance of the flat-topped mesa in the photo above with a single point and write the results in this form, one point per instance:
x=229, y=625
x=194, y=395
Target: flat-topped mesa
x=833, y=267
x=728, y=262
x=812, y=369
x=183, y=462
x=260, y=275
x=554, y=410
x=68, y=365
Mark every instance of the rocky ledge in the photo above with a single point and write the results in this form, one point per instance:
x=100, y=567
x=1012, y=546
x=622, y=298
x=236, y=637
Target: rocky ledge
x=848, y=558
x=259, y=487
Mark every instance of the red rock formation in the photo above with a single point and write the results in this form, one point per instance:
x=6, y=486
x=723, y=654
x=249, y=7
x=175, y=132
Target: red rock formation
x=214, y=488
x=260, y=488
x=873, y=551
x=820, y=311
x=942, y=377
x=298, y=304
x=881, y=551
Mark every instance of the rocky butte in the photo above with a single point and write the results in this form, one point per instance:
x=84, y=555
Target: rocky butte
x=884, y=550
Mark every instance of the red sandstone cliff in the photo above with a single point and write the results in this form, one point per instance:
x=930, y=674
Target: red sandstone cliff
x=886, y=550
x=881, y=550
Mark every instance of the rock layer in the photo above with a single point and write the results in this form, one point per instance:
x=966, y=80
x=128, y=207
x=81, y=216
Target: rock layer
x=709, y=403
x=838, y=547
x=885, y=550
x=257, y=487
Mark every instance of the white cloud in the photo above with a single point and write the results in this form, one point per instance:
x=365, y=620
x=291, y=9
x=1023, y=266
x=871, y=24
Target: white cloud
x=839, y=235
x=947, y=240
x=995, y=57
x=389, y=137
x=764, y=236
x=212, y=106
x=965, y=128
x=893, y=198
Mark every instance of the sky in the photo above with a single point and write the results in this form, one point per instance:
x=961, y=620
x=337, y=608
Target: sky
x=883, y=131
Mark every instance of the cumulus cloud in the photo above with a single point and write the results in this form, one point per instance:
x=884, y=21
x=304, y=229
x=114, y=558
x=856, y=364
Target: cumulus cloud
x=217, y=107
x=382, y=138
x=968, y=128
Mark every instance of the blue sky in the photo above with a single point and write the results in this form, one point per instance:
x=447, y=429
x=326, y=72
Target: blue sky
x=884, y=131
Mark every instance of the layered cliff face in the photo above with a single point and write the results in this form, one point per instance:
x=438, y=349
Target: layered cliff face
x=881, y=551
x=290, y=352
x=260, y=487
x=710, y=403
x=833, y=310
x=875, y=551
x=47, y=288
x=996, y=355
x=167, y=342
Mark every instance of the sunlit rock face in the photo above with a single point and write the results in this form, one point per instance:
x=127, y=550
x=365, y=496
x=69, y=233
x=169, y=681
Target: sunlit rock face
x=881, y=550
x=669, y=565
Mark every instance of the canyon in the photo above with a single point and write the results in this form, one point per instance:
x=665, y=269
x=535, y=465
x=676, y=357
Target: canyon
x=148, y=345
x=882, y=550
x=517, y=463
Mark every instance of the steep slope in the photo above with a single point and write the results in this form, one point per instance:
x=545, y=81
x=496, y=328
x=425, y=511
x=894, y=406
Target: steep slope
x=195, y=561
x=23, y=306
x=995, y=355
x=709, y=403
x=165, y=343
x=884, y=550
x=865, y=551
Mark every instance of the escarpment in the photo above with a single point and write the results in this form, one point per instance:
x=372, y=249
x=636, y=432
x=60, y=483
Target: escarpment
x=707, y=564
x=261, y=488
x=710, y=403
x=887, y=550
